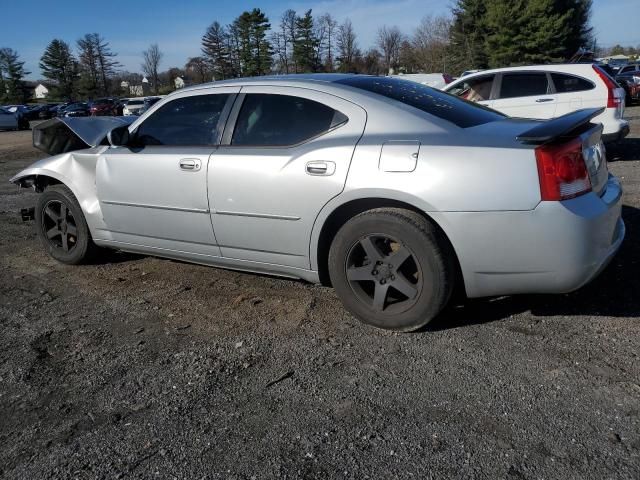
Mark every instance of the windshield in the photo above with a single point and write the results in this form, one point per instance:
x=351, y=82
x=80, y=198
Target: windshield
x=434, y=102
x=135, y=102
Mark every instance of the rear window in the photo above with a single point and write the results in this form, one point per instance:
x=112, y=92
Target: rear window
x=434, y=102
x=524, y=85
x=569, y=83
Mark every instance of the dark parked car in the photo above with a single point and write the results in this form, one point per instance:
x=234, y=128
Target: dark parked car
x=103, y=106
x=630, y=68
x=78, y=109
x=35, y=110
x=630, y=81
x=49, y=111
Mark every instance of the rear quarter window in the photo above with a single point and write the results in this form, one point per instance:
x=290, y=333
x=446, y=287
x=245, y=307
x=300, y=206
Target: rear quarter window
x=569, y=83
x=456, y=110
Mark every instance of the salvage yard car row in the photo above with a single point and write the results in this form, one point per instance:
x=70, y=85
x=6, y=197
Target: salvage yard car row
x=107, y=106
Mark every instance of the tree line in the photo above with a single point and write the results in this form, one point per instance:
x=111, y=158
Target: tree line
x=478, y=34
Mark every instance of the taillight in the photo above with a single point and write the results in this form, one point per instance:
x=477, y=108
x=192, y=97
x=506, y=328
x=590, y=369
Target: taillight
x=612, y=100
x=562, y=171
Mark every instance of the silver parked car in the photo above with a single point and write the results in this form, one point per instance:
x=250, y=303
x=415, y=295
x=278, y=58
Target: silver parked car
x=388, y=190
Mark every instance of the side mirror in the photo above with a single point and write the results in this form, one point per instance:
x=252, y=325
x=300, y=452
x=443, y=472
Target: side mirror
x=119, y=136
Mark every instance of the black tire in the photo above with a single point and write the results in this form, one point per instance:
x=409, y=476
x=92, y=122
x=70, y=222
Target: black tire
x=23, y=124
x=62, y=227
x=366, y=264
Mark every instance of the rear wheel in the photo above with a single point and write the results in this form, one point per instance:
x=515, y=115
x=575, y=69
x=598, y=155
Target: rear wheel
x=62, y=227
x=392, y=269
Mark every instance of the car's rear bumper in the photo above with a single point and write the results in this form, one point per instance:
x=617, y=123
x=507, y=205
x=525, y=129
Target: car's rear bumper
x=617, y=136
x=556, y=248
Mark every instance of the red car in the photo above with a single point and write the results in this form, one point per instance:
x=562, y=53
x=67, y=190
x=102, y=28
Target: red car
x=103, y=107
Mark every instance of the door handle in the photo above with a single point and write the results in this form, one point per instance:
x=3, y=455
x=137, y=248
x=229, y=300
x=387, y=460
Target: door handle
x=542, y=100
x=191, y=164
x=321, y=168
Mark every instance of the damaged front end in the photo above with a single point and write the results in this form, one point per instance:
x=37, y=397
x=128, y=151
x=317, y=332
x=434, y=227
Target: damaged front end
x=74, y=145
x=61, y=135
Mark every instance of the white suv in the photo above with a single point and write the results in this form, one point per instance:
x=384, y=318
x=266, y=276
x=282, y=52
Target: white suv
x=548, y=91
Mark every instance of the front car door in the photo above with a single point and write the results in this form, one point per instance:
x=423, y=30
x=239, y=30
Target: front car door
x=476, y=89
x=154, y=192
x=525, y=95
x=285, y=153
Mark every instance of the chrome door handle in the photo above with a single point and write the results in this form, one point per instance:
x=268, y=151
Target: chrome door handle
x=320, y=168
x=192, y=164
x=542, y=100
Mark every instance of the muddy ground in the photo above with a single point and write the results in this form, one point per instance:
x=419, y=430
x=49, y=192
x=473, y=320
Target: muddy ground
x=136, y=367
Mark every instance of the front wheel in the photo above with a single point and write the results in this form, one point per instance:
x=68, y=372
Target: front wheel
x=62, y=227
x=392, y=268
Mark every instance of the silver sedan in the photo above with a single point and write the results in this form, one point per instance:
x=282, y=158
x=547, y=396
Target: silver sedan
x=390, y=191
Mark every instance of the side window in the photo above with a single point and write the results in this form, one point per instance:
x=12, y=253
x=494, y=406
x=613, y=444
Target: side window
x=184, y=121
x=282, y=120
x=524, y=85
x=569, y=83
x=475, y=89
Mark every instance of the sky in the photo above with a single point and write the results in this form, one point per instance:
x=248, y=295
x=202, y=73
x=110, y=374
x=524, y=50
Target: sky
x=178, y=25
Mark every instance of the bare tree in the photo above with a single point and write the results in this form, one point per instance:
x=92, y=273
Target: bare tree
x=347, y=46
x=198, y=69
x=430, y=43
x=282, y=41
x=326, y=33
x=389, y=41
x=151, y=61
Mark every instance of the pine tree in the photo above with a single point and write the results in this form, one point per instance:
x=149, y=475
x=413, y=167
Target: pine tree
x=97, y=65
x=468, y=35
x=535, y=31
x=88, y=67
x=305, y=44
x=249, y=31
x=58, y=64
x=215, y=49
x=11, y=73
x=107, y=64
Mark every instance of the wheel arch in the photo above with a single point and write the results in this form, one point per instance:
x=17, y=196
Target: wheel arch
x=332, y=222
x=38, y=182
x=40, y=178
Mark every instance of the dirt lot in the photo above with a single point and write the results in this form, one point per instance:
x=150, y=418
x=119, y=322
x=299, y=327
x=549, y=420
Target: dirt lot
x=146, y=368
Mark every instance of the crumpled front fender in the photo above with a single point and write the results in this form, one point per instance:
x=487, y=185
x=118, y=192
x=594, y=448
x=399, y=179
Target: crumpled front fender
x=77, y=171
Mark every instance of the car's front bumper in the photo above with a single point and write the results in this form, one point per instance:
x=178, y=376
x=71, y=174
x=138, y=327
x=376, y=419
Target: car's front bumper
x=556, y=248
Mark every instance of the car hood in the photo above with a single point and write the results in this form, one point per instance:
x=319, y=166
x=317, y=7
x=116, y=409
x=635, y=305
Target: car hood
x=63, y=134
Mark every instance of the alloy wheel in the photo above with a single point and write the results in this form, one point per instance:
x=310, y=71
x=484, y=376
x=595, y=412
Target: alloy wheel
x=59, y=226
x=384, y=274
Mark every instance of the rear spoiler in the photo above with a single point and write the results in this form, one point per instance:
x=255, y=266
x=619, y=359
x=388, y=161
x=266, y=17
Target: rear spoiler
x=60, y=135
x=558, y=127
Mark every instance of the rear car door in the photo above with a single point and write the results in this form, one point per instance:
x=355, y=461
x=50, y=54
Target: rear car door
x=571, y=91
x=525, y=95
x=285, y=153
x=154, y=192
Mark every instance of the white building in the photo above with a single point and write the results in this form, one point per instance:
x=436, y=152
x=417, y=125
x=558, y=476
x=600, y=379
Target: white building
x=178, y=82
x=41, y=91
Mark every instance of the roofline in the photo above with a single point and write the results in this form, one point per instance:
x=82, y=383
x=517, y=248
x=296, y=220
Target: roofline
x=302, y=78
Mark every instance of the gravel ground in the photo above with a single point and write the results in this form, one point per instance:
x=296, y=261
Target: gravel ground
x=137, y=367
